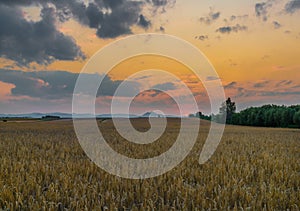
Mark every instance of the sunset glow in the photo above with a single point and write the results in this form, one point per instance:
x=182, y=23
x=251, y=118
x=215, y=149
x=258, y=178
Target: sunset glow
x=253, y=46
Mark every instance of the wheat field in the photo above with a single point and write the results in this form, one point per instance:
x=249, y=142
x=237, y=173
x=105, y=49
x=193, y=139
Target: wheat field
x=44, y=168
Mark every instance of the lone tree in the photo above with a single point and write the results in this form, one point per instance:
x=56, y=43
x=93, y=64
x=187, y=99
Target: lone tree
x=228, y=108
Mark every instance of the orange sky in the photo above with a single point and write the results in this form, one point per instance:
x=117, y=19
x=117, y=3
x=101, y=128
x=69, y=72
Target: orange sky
x=251, y=51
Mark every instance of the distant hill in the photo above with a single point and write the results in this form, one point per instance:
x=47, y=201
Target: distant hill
x=156, y=115
x=151, y=114
x=65, y=115
x=41, y=115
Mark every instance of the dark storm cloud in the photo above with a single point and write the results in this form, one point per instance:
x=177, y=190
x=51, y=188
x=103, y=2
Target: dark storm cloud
x=229, y=29
x=165, y=86
x=292, y=6
x=17, y=2
x=64, y=9
x=94, y=16
x=57, y=84
x=276, y=25
x=212, y=16
x=123, y=15
x=118, y=19
x=26, y=41
x=159, y=2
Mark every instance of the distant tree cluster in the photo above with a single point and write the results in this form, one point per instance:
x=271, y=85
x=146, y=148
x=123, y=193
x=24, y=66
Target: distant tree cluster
x=264, y=116
x=49, y=117
x=268, y=116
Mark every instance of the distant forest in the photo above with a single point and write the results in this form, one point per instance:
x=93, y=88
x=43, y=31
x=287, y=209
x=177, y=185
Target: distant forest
x=264, y=116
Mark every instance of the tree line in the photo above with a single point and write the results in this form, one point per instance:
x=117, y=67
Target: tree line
x=263, y=116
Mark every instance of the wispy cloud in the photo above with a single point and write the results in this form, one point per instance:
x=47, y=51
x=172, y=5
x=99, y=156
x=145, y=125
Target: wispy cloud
x=229, y=29
x=211, y=17
x=202, y=37
x=165, y=86
x=270, y=88
x=238, y=17
x=276, y=25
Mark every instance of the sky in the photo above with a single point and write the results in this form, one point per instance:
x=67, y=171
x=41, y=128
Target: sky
x=44, y=45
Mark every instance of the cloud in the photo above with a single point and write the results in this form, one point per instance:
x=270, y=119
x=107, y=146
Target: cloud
x=261, y=9
x=143, y=22
x=162, y=29
x=212, y=16
x=123, y=15
x=229, y=29
x=154, y=99
x=276, y=25
x=292, y=6
x=161, y=2
x=284, y=83
x=230, y=85
x=235, y=17
x=57, y=84
x=263, y=89
x=261, y=84
x=232, y=18
x=161, y=5
x=149, y=94
x=274, y=94
x=201, y=37
x=212, y=78
x=165, y=86
x=27, y=41
x=94, y=16
x=111, y=18
x=232, y=63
